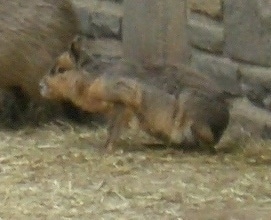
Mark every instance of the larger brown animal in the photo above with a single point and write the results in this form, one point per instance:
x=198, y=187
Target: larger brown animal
x=170, y=79
x=33, y=34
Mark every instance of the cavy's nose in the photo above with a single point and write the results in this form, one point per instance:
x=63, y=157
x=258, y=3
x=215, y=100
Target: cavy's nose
x=42, y=84
x=42, y=87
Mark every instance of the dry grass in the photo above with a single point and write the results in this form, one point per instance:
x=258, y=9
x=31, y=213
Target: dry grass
x=56, y=172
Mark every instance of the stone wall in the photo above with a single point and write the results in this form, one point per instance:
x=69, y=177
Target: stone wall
x=230, y=40
x=102, y=26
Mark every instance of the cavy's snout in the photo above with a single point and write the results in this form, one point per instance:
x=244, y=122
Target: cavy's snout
x=43, y=87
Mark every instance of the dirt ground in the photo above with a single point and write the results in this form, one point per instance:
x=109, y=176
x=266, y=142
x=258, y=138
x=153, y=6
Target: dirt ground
x=56, y=172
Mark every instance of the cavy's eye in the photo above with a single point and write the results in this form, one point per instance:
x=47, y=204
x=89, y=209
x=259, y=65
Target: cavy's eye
x=61, y=70
x=53, y=71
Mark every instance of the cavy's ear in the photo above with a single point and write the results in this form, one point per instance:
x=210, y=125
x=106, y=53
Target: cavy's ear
x=76, y=48
x=80, y=56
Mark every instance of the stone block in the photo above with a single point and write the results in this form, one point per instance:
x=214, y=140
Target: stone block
x=256, y=74
x=104, y=48
x=253, y=119
x=212, y=8
x=255, y=82
x=223, y=70
x=101, y=18
x=118, y=1
x=105, y=25
x=205, y=34
x=248, y=30
x=247, y=123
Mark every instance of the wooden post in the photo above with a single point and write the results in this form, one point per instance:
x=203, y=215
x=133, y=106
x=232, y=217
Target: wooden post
x=154, y=31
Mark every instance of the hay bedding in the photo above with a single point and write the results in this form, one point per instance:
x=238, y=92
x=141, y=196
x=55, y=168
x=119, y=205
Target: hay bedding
x=54, y=171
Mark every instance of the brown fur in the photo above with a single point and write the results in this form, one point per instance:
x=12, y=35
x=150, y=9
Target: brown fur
x=33, y=33
x=77, y=87
x=170, y=79
x=191, y=118
x=74, y=58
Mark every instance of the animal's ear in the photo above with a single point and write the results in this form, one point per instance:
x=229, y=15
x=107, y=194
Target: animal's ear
x=80, y=56
x=76, y=48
